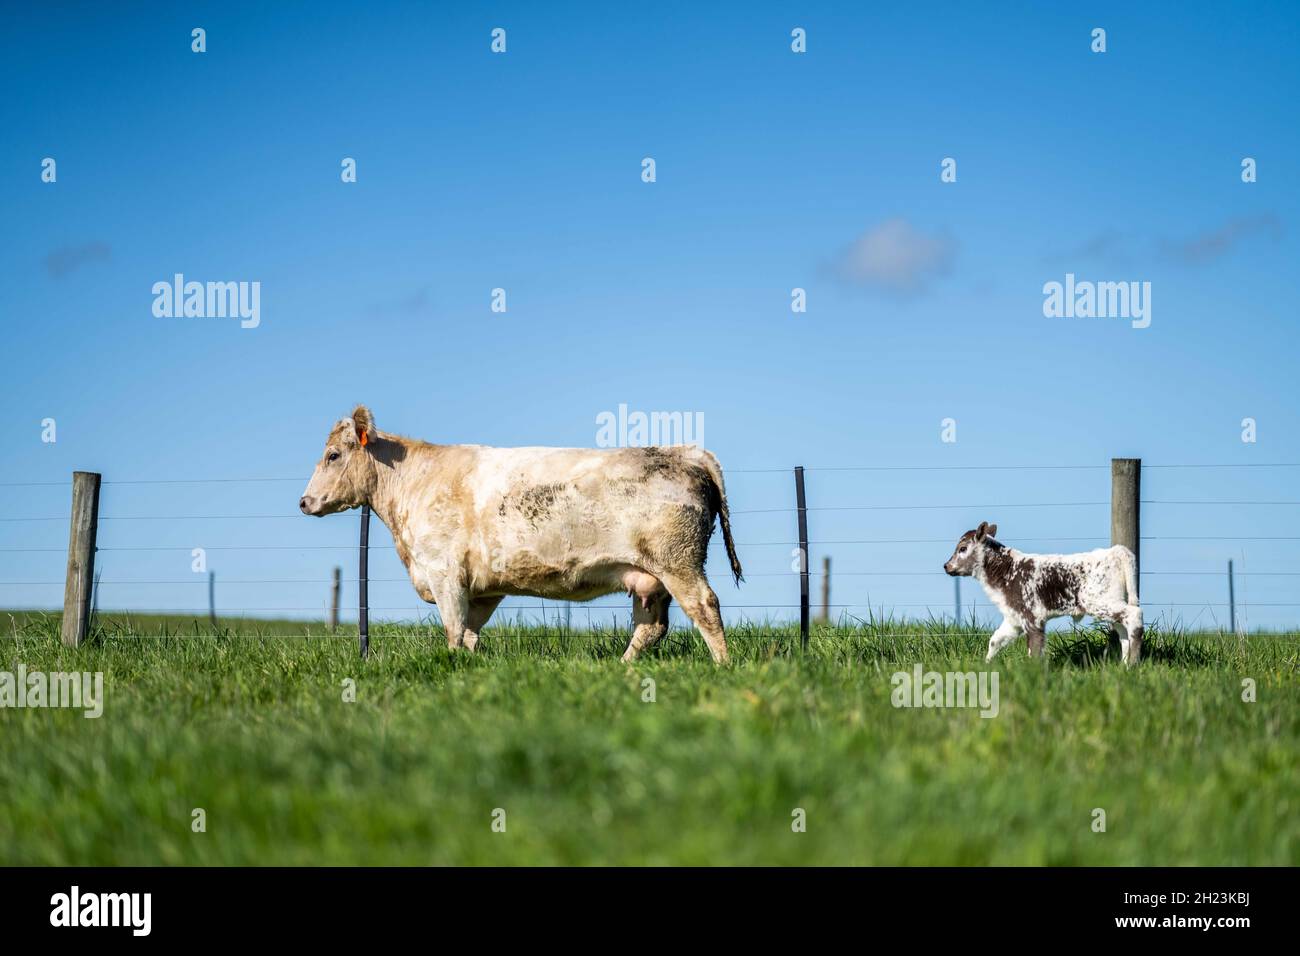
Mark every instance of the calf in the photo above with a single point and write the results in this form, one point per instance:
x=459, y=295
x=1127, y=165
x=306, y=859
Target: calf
x=1030, y=589
x=473, y=524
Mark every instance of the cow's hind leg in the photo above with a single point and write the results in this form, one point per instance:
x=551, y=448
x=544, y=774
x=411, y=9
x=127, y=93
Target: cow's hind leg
x=701, y=606
x=649, y=623
x=480, y=609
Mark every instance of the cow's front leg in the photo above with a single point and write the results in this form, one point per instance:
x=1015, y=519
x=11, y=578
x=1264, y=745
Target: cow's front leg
x=1004, y=635
x=480, y=609
x=453, y=605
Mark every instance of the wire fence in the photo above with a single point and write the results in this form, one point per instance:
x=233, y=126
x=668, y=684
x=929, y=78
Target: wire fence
x=881, y=566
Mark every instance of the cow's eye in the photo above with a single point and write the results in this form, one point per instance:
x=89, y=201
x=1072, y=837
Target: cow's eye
x=334, y=456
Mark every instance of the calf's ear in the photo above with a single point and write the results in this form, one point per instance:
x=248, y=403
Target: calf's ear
x=364, y=423
x=991, y=530
x=981, y=531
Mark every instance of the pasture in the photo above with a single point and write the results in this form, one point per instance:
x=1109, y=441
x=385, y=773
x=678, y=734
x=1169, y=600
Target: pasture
x=248, y=722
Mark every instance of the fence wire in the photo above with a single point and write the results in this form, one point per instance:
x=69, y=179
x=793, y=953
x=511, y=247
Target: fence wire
x=778, y=505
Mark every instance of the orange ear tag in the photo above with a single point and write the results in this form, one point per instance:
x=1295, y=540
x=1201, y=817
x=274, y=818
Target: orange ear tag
x=365, y=438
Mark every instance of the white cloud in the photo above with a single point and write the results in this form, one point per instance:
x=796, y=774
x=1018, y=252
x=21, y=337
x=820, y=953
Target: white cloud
x=896, y=257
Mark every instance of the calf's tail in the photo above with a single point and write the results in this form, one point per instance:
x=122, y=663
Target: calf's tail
x=714, y=469
x=1130, y=573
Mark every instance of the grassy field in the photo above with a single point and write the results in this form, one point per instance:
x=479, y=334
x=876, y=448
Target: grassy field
x=249, y=723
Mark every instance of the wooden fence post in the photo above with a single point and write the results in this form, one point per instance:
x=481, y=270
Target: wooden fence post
x=1125, y=520
x=363, y=609
x=802, y=504
x=1125, y=507
x=335, y=590
x=79, y=583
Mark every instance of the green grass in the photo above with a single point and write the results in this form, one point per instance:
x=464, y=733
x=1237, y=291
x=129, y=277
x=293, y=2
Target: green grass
x=248, y=723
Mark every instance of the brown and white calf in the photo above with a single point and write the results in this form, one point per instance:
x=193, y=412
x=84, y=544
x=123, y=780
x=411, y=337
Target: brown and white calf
x=1030, y=589
x=474, y=524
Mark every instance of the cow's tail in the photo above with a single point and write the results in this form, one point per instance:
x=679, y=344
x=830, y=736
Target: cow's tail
x=1129, y=562
x=714, y=469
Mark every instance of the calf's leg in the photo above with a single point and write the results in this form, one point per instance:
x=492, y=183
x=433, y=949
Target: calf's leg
x=1131, y=643
x=1004, y=635
x=1036, y=638
x=649, y=624
x=1126, y=625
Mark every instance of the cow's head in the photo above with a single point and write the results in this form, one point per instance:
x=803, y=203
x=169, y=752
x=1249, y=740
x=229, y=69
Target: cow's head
x=345, y=475
x=969, y=553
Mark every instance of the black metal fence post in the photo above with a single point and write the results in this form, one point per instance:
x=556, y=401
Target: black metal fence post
x=335, y=591
x=1232, y=601
x=802, y=503
x=363, y=609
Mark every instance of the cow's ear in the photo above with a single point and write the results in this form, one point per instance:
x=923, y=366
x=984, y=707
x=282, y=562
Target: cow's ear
x=981, y=531
x=991, y=530
x=364, y=423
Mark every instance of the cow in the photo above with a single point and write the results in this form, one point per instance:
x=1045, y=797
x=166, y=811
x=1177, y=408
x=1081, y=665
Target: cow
x=474, y=524
x=1030, y=589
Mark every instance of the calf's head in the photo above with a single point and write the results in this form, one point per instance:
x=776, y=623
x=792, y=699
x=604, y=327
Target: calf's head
x=345, y=475
x=969, y=553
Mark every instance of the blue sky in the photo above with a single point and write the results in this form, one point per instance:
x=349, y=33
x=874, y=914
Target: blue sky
x=774, y=170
